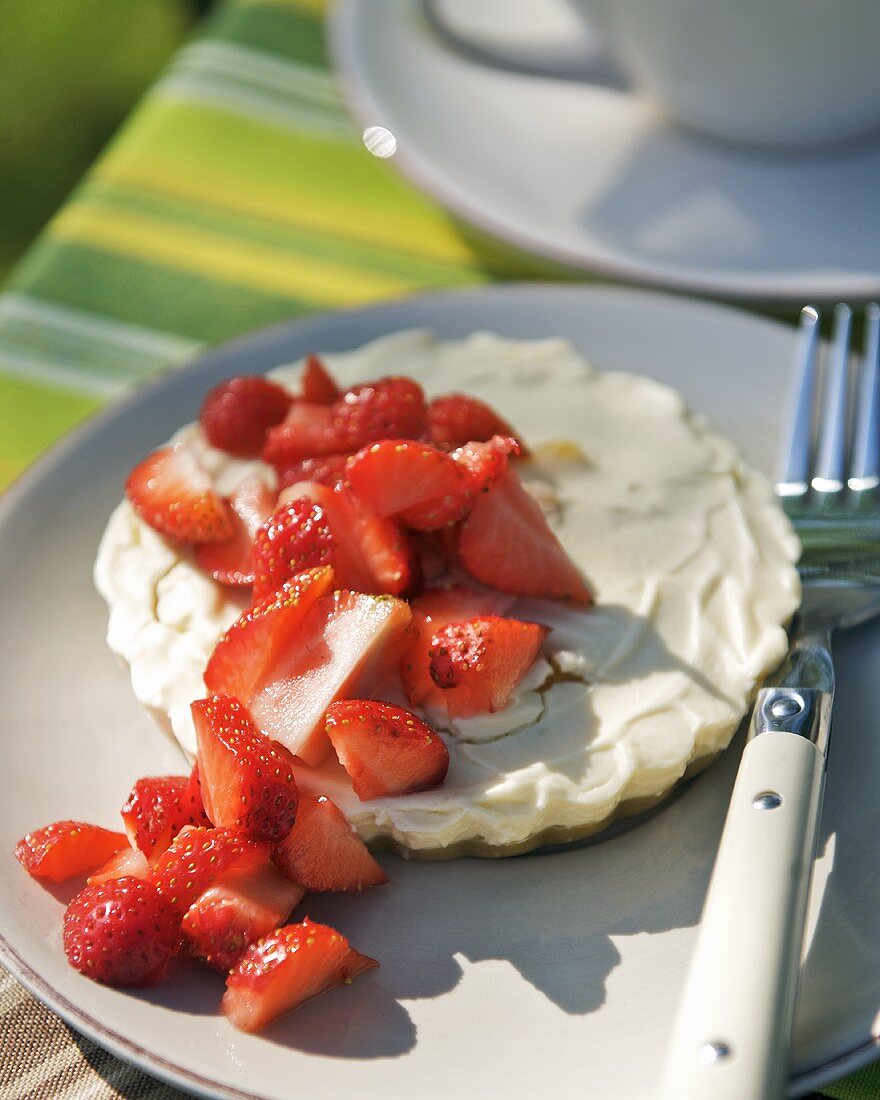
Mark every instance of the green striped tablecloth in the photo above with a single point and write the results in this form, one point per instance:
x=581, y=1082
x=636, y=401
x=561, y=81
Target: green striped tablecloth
x=238, y=194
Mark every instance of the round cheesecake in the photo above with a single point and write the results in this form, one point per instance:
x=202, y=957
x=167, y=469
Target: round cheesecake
x=688, y=555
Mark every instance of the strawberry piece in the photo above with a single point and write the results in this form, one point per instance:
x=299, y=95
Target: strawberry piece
x=296, y=537
x=457, y=418
x=424, y=486
x=240, y=908
x=326, y=469
x=237, y=413
x=385, y=749
x=482, y=464
x=323, y=852
x=431, y=611
x=130, y=862
x=247, y=780
x=121, y=933
x=479, y=662
x=173, y=494
x=232, y=561
x=349, y=644
x=307, y=430
x=372, y=554
x=287, y=968
x=66, y=848
x=318, y=386
x=158, y=808
x=505, y=541
x=392, y=408
x=246, y=654
x=196, y=858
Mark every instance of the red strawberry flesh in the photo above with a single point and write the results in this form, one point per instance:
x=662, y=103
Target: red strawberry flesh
x=67, y=848
x=458, y=418
x=287, y=968
x=386, y=750
x=157, y=808
x=173, y=494
x=237, y=413
x=323, y=852
x=296, y=537
x=232, y=561
x=318, y=386
x=247, y=780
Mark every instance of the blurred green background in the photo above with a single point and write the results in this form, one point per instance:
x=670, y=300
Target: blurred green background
x=70, y=71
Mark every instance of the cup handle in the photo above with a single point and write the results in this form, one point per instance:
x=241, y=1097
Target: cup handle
x=586, y=59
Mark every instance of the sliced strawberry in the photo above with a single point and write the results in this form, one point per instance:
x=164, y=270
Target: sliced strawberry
x=372, y=554
x=349, y=644
x=120, y=932
x=307, y=430
x=66, y=848
x=323, y=852
x=287, y=968
x=237, y=413
x=248, y=651
x=232, y=561
x=327, y=469
x=392, y=408
x=197, y=857
x=431, y=611
x=296, y=537
x=130, y=862
x=385, y=749
x=415, y=481
x=506, y=542
x=478, y=663
x=484, y=463
x=457, y=418
x=173, y=494
x=158, y=808
x=318, y=386
x=237, y=910
x=247, y=780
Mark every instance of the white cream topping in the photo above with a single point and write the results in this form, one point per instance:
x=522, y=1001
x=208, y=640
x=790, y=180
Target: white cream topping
x=687, y=553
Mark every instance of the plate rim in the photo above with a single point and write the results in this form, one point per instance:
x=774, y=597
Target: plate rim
x=767, y=290
x=152, y=1063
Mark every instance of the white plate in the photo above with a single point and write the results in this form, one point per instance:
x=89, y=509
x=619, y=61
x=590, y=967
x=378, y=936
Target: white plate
x=491, y=971
x=589, y=175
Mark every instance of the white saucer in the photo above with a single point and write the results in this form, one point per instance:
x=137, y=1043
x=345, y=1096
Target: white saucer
x=587, y=174
x=494, y=973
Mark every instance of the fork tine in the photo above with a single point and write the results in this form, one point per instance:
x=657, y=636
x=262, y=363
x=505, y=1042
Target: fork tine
x=865, y=465
x=793, y=460
x=829, y=473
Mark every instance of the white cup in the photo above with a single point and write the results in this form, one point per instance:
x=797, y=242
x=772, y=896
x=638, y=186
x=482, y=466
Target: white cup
x=783, y=73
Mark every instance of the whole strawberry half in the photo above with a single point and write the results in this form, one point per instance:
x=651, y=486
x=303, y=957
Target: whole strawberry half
x=196, y=858
x=386, y=750
x=458, y=418
x=158, y=807
x=323, y=852
x=67, y=848
x=478, y=663
x=173, y=494
x=237, y=910
x=506, y=542
x=296, y=537
x=318, y=385
x=232, y=560
x=120, y=932
x=371, y=553
x=287, y=968
x=247, y=780
x=431, y=611
x=237, y=413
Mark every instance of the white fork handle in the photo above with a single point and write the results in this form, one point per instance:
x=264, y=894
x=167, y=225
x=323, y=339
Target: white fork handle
x=733, y=1029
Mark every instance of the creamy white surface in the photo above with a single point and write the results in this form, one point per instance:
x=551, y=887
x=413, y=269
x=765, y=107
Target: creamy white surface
x=687, y=553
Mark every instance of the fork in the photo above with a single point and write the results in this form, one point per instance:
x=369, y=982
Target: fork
x=733, y=1028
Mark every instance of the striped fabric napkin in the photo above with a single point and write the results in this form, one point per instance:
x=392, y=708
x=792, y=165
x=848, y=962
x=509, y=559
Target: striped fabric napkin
x=238, y=194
